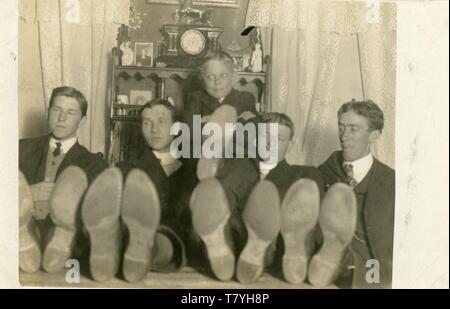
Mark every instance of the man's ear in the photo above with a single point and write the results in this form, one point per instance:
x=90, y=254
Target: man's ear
x=82, y=121
x=374, y=135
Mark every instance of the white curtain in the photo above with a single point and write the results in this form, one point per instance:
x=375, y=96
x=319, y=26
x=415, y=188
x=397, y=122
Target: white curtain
x=76, y=38
x=303, y=39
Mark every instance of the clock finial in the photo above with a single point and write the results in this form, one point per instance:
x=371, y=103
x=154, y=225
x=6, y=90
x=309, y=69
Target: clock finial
x=189, y=14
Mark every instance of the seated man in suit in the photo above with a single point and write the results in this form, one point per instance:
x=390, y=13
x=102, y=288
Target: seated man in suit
x=145, y=204
x=364, y=227
x=55, y=170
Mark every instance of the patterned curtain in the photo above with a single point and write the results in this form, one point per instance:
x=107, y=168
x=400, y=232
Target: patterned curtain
x=76, y=38
x=304, y=41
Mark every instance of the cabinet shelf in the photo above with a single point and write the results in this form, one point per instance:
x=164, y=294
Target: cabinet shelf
x=127, y=106
x=126, y=118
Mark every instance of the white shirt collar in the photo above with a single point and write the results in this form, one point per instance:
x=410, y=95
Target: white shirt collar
x=265, y=168
x=221, y=100
x=361, y=167
x=65, y=145
x=165, y=158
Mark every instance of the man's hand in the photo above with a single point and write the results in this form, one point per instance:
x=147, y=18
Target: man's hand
x=246, y=115
x=41, y=194
x=206, y=119
x=41, y=191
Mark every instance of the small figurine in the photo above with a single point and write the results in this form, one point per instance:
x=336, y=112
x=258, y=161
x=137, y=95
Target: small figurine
x=256, y=61
x=245, y=62
x=127, y=53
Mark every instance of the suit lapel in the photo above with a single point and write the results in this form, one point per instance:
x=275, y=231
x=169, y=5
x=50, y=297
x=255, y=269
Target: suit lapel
x=41, y=159
x=209, y=104
x=374, y=204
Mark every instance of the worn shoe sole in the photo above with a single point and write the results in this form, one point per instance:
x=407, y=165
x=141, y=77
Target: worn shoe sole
x=141, y=212
x=100, y=214
x=299, y=215
x=210, y=214
x=337, y=220
x=64, y=204
x=262, y=220
x=29, y=251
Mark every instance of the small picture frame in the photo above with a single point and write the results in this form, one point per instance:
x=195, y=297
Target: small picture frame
x=140, y=97
x=143, y=54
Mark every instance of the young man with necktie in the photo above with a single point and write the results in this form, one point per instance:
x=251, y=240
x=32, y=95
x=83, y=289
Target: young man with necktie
x=55, y=170
x=372, y=218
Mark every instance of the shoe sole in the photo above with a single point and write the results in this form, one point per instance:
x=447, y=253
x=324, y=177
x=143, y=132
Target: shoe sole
x=299, y=215
x=262, y=220
x=337, y=220
x=29, y=251
x=210, y=214
x=141, y=212
x=100, y=214
x=64, y=204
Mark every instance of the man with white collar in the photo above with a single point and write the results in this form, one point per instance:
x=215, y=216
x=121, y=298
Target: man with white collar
x=51, y=185
x=142, y=194
x=360, y=125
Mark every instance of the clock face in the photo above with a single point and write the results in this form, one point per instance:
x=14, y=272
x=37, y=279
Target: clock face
x=192, y=42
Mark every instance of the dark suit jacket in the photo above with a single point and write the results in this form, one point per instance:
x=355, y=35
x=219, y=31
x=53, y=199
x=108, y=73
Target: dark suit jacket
x=201, y=103
x=33, y=157
x=378, y=209
x=284, y=175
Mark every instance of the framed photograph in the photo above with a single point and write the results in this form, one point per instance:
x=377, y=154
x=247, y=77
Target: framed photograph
x=140, y=97
x=214, y=3
x=143, y=54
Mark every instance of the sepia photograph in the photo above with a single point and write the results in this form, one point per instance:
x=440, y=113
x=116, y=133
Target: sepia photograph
x=260, y=151
x=143, y=53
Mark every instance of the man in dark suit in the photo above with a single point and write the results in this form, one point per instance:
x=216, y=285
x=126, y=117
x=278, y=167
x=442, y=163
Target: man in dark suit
x=42, y=161
x=369, y=243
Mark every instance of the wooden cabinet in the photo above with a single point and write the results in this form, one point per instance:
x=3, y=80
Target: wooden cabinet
x=125, y=141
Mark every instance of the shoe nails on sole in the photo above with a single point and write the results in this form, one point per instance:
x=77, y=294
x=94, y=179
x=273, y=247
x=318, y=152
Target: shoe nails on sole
x=299, y=215
x=64, y=204
x=141, y=212
x=337, y=220
x=29, y=250
x=262, y=220
x=100, y=215
x=210, y=214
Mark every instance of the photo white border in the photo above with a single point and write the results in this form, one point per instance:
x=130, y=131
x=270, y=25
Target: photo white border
x=421, y=253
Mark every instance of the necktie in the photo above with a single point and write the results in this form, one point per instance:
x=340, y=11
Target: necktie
x=348, y=169
x=57, y=150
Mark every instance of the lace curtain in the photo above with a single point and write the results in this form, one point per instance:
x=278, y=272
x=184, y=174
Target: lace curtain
x=303, y=39
x=76, y=37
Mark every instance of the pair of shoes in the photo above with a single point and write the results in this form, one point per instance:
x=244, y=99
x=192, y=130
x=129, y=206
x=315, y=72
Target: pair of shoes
x=264, y=218
x=63, y=207
x=139, y=207
x=210, y=216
